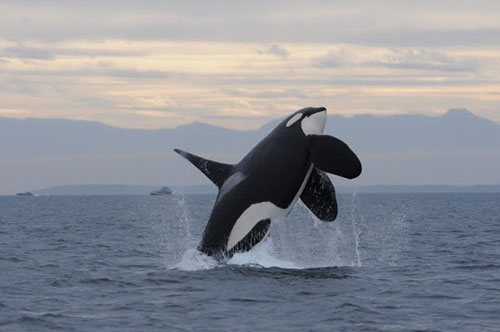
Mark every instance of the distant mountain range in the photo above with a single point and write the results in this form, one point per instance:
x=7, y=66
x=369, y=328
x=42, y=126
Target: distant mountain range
x=457, y=148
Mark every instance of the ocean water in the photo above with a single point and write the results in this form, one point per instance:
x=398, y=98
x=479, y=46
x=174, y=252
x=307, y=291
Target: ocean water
x=390, y=262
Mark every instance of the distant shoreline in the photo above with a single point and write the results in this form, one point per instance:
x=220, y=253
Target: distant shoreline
x=422, y=189
x=118, y=189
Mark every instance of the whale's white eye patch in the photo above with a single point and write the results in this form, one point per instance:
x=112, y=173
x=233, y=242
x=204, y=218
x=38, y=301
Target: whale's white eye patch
x=314, y=124
x=294, y=119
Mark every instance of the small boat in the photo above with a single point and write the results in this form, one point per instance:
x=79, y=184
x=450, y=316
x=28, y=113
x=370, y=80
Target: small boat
x=162, y=191
x=25, y=194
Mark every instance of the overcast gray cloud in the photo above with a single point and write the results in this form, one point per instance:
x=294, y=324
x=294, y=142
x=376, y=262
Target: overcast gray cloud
x=400, y=58
x=274, y=50
x=375, y=22
x=272, y=94
x=23, y=52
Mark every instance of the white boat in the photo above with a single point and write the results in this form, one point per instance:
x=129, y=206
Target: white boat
x=25, y=194
x=162, y=191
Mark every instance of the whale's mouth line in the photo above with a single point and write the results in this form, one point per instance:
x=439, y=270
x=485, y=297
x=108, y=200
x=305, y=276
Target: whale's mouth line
x=319, y=109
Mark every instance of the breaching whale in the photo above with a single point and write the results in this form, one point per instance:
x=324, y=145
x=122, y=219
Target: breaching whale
x=288, y=164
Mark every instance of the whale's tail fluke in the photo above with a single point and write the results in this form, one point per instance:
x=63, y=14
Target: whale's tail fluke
x=215, y=171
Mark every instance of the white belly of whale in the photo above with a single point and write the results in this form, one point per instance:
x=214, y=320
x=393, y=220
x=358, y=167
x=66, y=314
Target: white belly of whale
x=250, y=218
x=261, y=211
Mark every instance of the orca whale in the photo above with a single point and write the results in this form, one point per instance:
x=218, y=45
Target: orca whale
x=290, y=163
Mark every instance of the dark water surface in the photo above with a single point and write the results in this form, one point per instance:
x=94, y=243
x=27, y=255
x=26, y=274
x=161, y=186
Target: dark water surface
x=390, y=262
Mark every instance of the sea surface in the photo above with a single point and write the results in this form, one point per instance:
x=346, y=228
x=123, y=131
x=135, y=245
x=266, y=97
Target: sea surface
x=390, y=262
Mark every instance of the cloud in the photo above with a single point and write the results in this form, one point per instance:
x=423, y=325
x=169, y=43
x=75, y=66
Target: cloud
x=23, y=52
x=388, y=23
x=101, y=68
x=16, y=85
x=157, y=114
x=97, y=52
x=425, y=59
x=428, y=59
x=335, y=59
x=266, y=93
x=274, y=50
x=13, y=112
x=132, y=73
x=231, y=61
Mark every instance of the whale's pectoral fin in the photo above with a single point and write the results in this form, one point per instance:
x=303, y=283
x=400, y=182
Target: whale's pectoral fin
x=333, y=156
x=216, y=172
x=319, y=196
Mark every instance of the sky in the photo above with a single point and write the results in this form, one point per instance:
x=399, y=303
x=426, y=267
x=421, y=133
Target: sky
x=239, y=64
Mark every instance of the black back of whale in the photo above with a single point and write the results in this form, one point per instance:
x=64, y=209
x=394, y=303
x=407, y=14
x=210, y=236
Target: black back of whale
x=274, y=171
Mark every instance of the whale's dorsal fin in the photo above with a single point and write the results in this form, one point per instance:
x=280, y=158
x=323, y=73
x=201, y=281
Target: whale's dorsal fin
x=333, y=156
x=319, y=196
x=215, y=171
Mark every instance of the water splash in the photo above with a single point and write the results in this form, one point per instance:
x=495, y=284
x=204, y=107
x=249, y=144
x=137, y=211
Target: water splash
x=182, y=214
x=195, y=260
x=174, y=228
x=299, y=242
x=262, y=255
x=356, y=231
x=311, y=243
